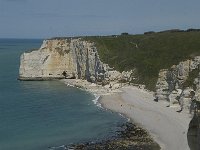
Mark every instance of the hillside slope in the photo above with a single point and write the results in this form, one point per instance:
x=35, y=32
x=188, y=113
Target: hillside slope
x=148, y=53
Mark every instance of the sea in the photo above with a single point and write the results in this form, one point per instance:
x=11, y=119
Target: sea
x=44, y=115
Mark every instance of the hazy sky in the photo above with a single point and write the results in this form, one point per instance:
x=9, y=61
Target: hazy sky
x=50, y=18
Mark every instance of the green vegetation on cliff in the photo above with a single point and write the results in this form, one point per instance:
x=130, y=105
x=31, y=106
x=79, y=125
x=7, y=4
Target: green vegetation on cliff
x=148, y=53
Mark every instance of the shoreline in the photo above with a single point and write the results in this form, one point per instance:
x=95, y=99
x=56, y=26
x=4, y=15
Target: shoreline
x=39, y=78
x=167, y=127
x=128, y=137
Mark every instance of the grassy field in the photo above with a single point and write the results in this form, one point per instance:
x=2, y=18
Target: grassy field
x=148, y=53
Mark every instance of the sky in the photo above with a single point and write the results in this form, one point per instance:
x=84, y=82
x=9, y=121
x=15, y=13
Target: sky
x=53, y=18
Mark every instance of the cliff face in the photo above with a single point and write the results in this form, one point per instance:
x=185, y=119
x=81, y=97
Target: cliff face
x=66, y=58
x=172, y=84
x=79, y=59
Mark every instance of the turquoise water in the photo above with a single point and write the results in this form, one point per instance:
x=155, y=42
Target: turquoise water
x=38, y=115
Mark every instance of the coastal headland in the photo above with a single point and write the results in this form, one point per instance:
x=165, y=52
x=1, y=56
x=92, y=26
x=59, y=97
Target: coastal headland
x=153, y=79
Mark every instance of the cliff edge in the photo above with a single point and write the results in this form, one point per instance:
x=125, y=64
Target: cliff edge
x=67, y=58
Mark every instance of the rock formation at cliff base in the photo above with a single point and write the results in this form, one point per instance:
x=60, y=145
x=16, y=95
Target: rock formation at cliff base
x=171, y=84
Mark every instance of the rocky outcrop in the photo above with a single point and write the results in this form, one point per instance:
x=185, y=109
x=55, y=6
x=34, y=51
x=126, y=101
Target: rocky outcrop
x=162, y=85
x=67, y=58
x=129, y=137
x=171, y=84
x=197, y=91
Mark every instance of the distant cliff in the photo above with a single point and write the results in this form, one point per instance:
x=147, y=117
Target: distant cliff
x=66, y=58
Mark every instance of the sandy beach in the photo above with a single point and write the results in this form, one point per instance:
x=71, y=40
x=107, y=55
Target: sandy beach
x=167, y=127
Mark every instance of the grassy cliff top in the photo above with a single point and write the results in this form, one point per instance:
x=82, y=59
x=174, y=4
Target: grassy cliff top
x=148, y=52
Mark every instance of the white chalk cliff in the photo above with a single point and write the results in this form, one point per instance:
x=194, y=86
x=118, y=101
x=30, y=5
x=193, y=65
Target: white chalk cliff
x=78, y=59
x=170, y=85
x=66, y=58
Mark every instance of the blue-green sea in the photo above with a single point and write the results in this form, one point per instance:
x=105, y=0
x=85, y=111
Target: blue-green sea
x=36, y=115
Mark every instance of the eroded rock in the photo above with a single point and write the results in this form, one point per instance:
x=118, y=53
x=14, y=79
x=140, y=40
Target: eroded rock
x=170, y=84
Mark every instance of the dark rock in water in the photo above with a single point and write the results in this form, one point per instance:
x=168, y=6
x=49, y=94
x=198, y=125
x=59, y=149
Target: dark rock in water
x=130, y=137
x=193, y=134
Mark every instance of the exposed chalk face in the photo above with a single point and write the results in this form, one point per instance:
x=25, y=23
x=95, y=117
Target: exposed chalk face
x=77, y=58
x=170, y=82
x=67, y=58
